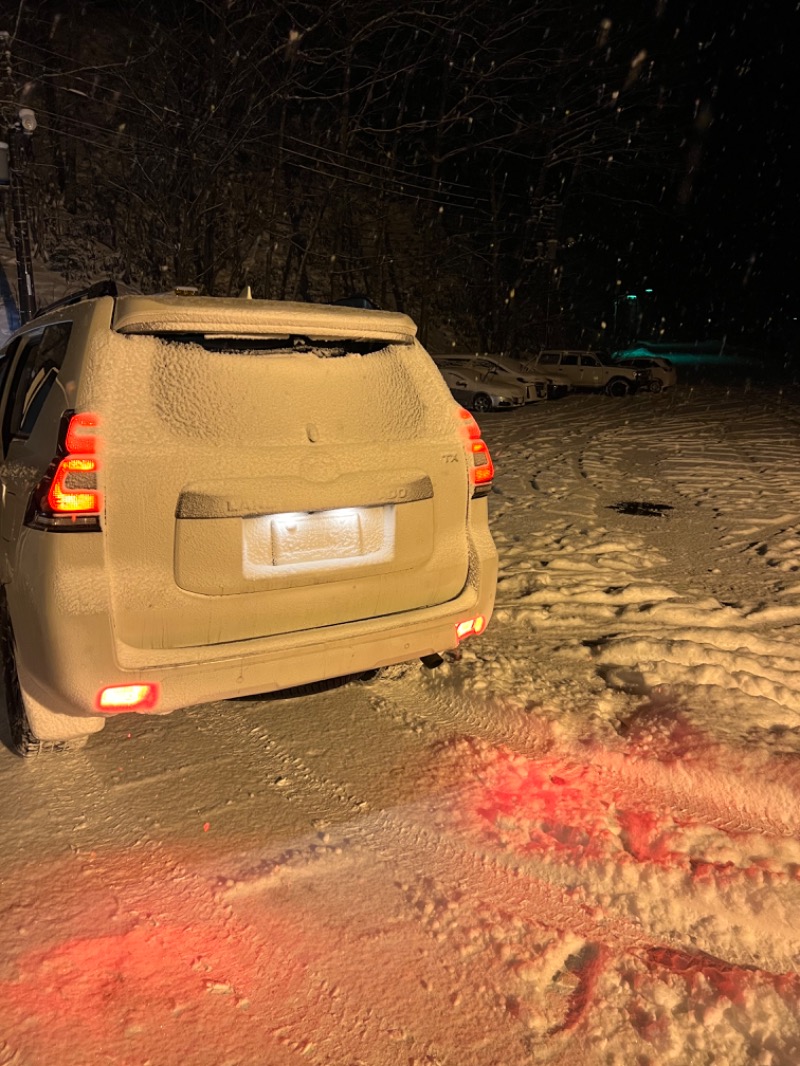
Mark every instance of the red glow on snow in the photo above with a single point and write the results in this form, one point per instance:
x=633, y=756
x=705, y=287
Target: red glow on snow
x=147, y=965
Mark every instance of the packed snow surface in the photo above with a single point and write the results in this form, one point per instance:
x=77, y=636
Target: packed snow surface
x=577, y=845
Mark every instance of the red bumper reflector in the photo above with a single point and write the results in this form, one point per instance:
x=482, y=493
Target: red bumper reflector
x=470, y=627
x=127, y=697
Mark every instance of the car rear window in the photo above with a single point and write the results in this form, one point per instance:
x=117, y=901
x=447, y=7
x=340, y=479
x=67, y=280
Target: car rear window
x=239, y=345
x=239, y=390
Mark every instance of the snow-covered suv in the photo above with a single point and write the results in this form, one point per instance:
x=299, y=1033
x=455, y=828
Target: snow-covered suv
x=586, y=370
x=206, y=498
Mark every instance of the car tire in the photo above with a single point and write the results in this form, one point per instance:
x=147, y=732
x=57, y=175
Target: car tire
x=310, y=688
x=24, y=740
x=397, y=672
x=656, y=385
x=618, y=387
x=481, y=402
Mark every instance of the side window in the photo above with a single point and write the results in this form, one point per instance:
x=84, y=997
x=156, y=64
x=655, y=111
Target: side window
x=36, y=373
x=6, y=363
x=589, y=360
x=569, y=360
x=6, y=359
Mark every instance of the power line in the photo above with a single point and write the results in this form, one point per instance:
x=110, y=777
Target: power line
x=350, y=173
x=447, y=194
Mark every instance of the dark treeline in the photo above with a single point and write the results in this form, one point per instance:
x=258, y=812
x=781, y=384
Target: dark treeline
x=487, y=167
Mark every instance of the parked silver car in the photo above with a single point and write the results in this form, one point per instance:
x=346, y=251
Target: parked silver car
x=480, y=391
x=538, y=386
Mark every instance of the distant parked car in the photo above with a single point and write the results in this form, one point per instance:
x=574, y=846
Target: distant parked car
x=548, y=385
x=662, y=372
x=540, y=386
x=480, y=392
x=587, y=370
x=496, y=370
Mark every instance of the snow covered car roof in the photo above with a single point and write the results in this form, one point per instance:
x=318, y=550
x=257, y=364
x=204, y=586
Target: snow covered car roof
x=262, y=318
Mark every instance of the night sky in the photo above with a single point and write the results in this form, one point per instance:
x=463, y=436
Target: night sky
x=710, y=224
x=741, y=200
x=714, y=233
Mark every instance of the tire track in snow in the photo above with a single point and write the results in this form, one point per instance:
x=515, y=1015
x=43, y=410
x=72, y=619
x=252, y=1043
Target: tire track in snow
x=534, y=862
x=734, y=469
x=297, y=778
x=549, y=891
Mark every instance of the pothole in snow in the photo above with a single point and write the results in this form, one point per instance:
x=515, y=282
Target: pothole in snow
x=643, y=508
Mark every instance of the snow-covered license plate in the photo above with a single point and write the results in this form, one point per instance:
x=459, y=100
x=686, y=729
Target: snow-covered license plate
x=319, y=538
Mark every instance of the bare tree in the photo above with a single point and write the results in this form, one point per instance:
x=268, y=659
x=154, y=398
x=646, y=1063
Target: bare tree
x=433, y=155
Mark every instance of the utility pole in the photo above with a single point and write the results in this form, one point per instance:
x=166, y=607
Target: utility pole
x=14, y=152
x=18, y=149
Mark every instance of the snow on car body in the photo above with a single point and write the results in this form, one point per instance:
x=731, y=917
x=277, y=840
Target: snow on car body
x=206, y=498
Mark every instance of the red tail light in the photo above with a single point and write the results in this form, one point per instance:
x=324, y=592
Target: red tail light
x=81, y=435
x=139, y=697
x=71, y=491
x=482, y=470
x=67, y=497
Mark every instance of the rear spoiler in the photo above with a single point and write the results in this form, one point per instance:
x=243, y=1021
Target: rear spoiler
x=259, y=318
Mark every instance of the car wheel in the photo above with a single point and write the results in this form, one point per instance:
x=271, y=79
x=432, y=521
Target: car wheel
x=618, y=387
x=656, y=385
x=24, y=740
x=481, y=402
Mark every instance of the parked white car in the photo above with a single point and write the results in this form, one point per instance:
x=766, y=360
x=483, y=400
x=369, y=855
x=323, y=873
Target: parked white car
x=204, y=498
x=663, y=374
x=480, y=391
x=586, y=370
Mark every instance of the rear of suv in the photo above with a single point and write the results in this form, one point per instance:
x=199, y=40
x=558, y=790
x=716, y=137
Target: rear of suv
x=204, y=498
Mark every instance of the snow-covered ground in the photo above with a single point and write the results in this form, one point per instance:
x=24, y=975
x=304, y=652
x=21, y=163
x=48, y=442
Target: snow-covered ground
x=578, y=845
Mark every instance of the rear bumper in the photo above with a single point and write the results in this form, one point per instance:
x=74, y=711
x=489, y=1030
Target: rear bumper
x=66, y=654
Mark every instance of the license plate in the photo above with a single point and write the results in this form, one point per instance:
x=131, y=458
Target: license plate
x=341, y=537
